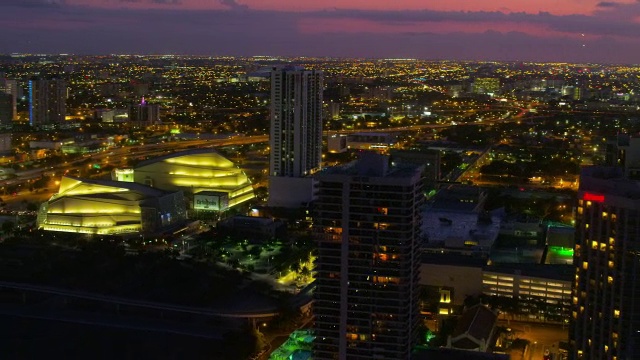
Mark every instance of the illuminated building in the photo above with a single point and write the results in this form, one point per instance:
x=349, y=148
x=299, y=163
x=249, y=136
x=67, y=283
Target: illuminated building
x=125, y=175
x=371, y=141
x=144, y=114
x=366, y=224
x=110, y=207
x=212, y=182
x=489, y=86
x=47, y=102
x=606, y=295
x=543, y=291
x=337, y=143
x=295, y=136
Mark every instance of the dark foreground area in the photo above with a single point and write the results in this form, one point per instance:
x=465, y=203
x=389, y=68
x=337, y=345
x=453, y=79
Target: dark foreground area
x=24, y=338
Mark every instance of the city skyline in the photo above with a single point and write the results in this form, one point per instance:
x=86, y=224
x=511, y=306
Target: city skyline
x=574, y=31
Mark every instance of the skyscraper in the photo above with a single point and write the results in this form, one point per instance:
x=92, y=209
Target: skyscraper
x=605, y=320
x=296, y=134
x=6, y=109
x=296, y=121
x=366, y=224
x=47, y=102
x=10, y=87
x=144, y=114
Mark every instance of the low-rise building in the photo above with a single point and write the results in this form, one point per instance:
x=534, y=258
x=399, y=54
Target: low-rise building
x=209, y=180
x=253, y=228
x=475, y=330
x=543, y=291
x=110, y=208
x=371, y=141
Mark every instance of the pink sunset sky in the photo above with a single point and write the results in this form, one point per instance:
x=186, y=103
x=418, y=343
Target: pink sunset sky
x=537, y=30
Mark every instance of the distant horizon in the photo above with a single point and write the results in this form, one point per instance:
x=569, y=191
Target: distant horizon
x=294, y=57
x=572, y=31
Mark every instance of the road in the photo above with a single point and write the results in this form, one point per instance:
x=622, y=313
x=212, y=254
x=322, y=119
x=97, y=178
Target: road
x=541, y=336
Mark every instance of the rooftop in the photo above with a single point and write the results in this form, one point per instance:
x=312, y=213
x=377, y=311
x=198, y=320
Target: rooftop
x=72, y=184
x=560, y=272
x=191, y=152
x=373, y=165
x=454, y=260
x=455, y=229
x=477, y=321
x=454, y=354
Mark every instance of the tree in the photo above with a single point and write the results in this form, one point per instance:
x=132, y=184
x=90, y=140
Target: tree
x=255, y=251
x=305, y=271
x=242, y=344
x=7, y=227
x=295, y=267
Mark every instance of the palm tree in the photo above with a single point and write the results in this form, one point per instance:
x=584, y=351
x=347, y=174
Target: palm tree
x=295, y=267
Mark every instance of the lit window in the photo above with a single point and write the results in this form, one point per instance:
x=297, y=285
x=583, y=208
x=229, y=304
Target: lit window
x=585, y=265
x=445, y=296
x=616, y=313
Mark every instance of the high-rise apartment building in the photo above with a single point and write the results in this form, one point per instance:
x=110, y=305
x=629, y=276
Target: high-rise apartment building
x=10, y=87
x=605, y=320
x=6, y=109
x=47, y=102
x=366, y=223
x=144, y=114
x=490, y=86
x=296, y=134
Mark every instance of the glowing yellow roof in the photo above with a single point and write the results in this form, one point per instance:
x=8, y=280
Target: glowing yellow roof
x=197, y=157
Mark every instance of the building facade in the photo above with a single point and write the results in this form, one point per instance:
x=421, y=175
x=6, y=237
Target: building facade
x=296, y=122
x=9, y=86
x=366, y=224
x=144, y=114
x=6, y=109
x=543, y=291
x=295, y=135
x=110, y=208
x=47, y=102
x=606, y=294
x=210, y=181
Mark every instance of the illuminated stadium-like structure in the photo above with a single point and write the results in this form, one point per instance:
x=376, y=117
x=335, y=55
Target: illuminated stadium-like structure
x=110, y=207
x=208, y=179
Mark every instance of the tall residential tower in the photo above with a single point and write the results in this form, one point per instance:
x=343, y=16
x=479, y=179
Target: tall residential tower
x=47, y=102
x=366, y=223
x=605, y=320
x=295, y=136
x=10, y=87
